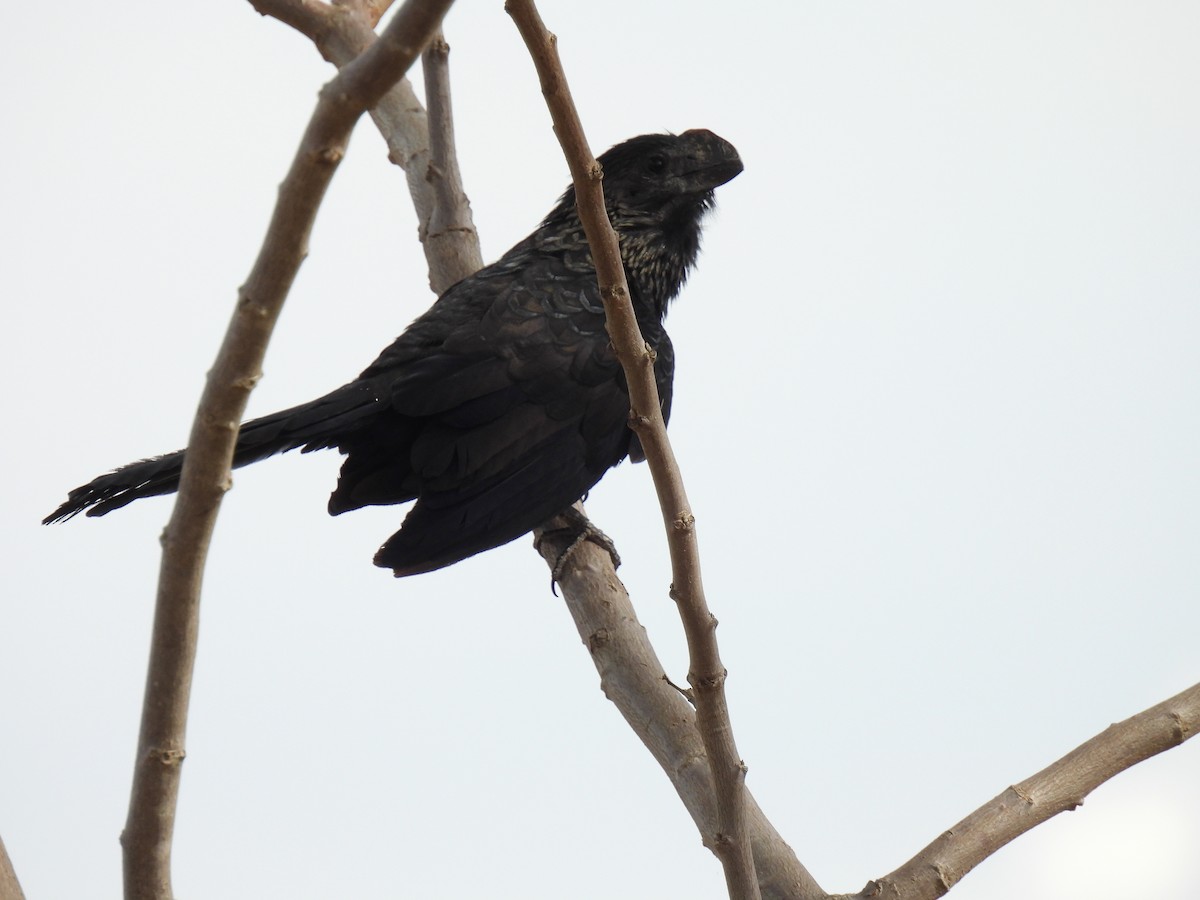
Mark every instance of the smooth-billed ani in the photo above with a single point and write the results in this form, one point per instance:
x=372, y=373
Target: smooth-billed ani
x=503, y=403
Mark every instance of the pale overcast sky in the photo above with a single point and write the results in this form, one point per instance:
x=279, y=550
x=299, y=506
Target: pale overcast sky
x=937, y=406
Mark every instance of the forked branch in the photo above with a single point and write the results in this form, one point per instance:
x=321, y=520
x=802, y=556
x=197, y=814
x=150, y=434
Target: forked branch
x=341, y=33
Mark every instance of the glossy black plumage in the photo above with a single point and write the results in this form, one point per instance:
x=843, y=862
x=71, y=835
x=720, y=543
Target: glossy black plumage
x=504, y=402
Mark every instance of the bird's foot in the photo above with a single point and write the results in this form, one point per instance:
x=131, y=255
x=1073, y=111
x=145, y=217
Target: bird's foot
x=578, y=528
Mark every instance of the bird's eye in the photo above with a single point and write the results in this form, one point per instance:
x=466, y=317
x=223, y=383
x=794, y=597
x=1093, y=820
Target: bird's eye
x=656, y=164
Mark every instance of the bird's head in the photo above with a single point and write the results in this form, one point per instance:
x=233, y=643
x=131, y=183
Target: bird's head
x=664, y=176
x=657, y=188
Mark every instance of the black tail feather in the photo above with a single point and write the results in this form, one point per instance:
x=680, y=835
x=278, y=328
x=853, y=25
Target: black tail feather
x=317, y=425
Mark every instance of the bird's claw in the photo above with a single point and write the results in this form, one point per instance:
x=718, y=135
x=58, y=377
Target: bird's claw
x=581, y=529
x=597, y=537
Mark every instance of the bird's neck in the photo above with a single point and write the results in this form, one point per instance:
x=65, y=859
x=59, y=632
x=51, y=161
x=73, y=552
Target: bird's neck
x=655, y=269
x=657, y=255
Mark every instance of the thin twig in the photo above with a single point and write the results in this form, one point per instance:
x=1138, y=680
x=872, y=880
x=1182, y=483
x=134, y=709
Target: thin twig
x=451, y=213
x=1060, y=787
x=707, y=674
x=205, y=478
x=631, y=676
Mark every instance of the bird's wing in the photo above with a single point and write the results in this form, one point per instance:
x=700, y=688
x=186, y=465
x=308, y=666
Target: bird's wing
x=498, y=418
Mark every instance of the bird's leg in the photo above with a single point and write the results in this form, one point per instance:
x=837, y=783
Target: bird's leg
x=573, y=524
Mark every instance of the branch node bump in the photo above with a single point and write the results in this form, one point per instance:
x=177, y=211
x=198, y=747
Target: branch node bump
x=684, y=522
x=945, y=878
x=1179, y=729
x=329, y=156
x=614, y=293
x=223, y=424
x=598, y=639
x=218, y=422
x=251, y=307
x=708, y=682
x=167, y=756
x=1023, y=794
x=595, y=171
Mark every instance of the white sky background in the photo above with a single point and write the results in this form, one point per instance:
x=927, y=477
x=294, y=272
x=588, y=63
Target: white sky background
x=937, y=404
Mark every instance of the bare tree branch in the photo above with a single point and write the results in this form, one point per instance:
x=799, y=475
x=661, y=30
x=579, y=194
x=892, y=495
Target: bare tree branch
x=10, y=888
x=150, y=824
x=341, y=33
x=707, y=674
x=451, y=213
x=1060, y=787
x=632, y=677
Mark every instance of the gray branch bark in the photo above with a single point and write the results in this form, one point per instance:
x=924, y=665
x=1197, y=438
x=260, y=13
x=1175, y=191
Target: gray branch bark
x=150, y=824
x=632, y=677
x=1060, y=787
x=447, y=233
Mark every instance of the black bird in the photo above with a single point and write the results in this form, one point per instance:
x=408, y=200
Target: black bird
x=504, y=403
